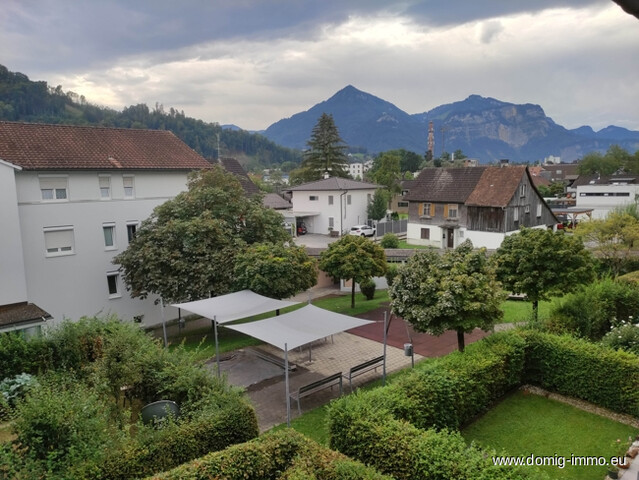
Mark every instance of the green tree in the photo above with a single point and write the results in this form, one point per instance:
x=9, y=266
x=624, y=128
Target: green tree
x=596, y=163
x=275, y=270
x=540, y=263
x=376, y=210
x=186, y=249
x=615, y=238
x=388, y=172
x=327, y=151
x=353, y=258
x=454, y=291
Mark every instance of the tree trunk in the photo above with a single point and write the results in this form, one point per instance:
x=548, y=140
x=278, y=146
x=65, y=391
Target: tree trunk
x=535, y=305
x=353, y=293
x=460, y=340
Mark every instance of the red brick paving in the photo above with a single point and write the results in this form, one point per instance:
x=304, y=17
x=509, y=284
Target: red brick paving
x=401, y=332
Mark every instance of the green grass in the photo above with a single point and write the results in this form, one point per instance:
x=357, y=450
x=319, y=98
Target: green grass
x=342, y=303
x=406, y=246
x=521, y=311
x=530, y=424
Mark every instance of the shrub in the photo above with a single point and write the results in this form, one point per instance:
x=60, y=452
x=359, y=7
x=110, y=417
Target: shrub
x=391, y=273
x=18, y=355
x=282, y=455
x=584, y=370
x=594, y=310
x=624, y=337
x=367, y=288
x=14, y=389
x=389, y=240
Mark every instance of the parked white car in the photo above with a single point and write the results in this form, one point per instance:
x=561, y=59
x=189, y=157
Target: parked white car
x=362, y=230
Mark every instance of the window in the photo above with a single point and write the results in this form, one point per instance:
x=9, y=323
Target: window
x=425, y=234
x=539, y=210
x=516, y=214
x=426, y=209
x=131, y=230
x=452, y=211
x=330, y=199
x=105, y=186
x=113, y=280
x=129, y=187
x=527, y=209
x=53, y=188
x=313, y=198
x=348, y=199
x=522, y=190
x=369, y=198
x=402, y=204
x=109, y=235
x=58, y=241
x=331, y=222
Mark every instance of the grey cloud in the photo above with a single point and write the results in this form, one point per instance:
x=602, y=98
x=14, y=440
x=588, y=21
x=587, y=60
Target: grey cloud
x=489, y=30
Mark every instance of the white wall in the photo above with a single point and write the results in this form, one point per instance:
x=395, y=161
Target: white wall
x=613, y=197
x=13, y=283
x=352, y=214
x=413, y=235
x=71, y=286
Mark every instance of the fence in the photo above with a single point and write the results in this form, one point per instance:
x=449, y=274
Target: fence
x=392, y=226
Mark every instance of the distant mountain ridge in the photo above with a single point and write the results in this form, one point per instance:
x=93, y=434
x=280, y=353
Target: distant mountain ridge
x=482, y=127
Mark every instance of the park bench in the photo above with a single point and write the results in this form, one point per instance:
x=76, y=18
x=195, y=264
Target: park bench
x=313, y=387
x=371, y=364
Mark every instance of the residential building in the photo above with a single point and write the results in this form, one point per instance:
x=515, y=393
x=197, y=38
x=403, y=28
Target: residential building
x=73, y=198
x=331, y=204
x=399, y=203
x=604, y=193
x=483, y=204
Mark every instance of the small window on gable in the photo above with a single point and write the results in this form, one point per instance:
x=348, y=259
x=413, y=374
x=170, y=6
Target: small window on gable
x=109, y=235
x=59, y=241
x=330, y=199
x=53, y=188
x=105, y=186
x=527, y=209
x=113, y=284
x=539, y=209
x=522, y=190
x=129, y=186
x=516, y=214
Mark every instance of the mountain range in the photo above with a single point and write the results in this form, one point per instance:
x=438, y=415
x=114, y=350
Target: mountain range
x=483, y=128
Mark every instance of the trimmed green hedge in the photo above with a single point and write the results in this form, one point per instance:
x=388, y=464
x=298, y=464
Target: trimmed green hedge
x=285, y=454
x=395, y=447
x=211, y=430
x=578, y=368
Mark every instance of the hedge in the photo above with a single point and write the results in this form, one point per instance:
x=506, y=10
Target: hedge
x=285, y=454
x=400, y=449
x=578, y=368
x=209, y=431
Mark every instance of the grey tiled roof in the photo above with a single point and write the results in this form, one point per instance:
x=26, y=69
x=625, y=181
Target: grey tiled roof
x=334, y=183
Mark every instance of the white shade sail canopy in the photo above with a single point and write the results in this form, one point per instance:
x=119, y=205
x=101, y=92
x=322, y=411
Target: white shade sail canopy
x=234, y=306
x=299, y=327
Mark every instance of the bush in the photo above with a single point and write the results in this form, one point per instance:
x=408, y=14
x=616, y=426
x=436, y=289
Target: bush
x=14, y=389
x=624, y=337
x=584, y=370
x=389, y=240
x=367, y=287
x=594, y=310
x=286, y=454
x=391, y=273
x=18, y=355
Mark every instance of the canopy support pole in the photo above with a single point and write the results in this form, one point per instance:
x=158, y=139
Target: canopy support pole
x=217, y=348
x=166, y=341
x=384, y=364
x=288, y=398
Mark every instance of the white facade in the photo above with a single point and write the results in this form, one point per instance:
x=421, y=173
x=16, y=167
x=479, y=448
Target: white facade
x=356, y=170
x=326, y=205
x=605, y=198
x=68, y=243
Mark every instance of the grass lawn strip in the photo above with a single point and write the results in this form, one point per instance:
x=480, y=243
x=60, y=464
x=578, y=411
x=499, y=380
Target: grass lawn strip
x=524, y=424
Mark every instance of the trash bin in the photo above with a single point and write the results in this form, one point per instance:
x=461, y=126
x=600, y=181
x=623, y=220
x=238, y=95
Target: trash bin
x=408, y=349
x=157, y=411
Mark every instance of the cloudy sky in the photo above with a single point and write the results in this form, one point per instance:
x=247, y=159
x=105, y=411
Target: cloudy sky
x=253, y=62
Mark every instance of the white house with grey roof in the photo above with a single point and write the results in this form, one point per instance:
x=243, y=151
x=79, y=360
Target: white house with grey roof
x=331, y=204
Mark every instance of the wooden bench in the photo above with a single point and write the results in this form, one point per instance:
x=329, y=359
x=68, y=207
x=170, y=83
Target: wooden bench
x=313, y=387
x=371, y=364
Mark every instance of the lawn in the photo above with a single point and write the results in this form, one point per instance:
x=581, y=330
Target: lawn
x=524, y=424
x=521, y=311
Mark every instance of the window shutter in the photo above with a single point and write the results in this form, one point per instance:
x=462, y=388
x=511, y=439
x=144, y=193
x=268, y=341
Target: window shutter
x=432, y=209
x=445, y=211
x=421, y=210
x=51, y=183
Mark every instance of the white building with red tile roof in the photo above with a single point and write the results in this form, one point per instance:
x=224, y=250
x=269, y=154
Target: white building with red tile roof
x=72, y=197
